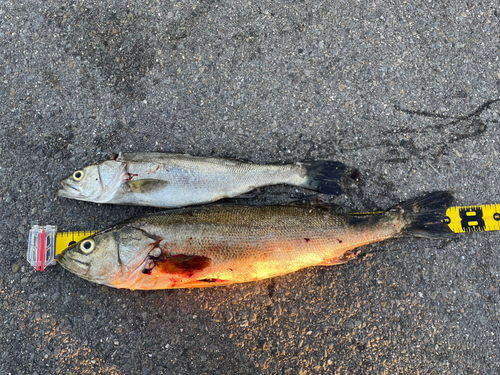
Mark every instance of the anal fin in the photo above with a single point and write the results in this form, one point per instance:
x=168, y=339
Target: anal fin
x=349, y=255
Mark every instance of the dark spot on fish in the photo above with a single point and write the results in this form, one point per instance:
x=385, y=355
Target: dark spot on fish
x=147, y=271
x=209, y=280
x=212, y=280
x=307, y=239
x=340, y=241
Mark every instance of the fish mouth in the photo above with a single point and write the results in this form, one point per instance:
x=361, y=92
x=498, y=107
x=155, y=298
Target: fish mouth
x=69, y=190
x=73, y=265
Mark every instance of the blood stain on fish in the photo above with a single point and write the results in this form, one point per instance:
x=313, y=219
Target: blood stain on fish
x=130, y=176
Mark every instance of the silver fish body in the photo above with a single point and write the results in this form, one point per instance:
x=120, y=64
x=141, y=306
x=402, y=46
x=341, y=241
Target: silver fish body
x=174, y=180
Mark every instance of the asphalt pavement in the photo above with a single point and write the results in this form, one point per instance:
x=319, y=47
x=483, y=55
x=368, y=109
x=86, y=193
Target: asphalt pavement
x=405, y=92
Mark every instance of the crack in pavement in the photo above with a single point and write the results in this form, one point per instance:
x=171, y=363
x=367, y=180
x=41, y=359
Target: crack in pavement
x=477, y=127
x=477, y=112
x=429, y=153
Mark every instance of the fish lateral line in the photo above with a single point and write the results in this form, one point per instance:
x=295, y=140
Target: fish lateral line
x=366, y=213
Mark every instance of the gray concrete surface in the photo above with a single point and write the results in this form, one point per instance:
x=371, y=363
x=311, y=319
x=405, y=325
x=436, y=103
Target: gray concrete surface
x=401, y=90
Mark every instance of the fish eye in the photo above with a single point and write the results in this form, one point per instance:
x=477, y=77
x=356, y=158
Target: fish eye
x=87, y=246
x=78, y=175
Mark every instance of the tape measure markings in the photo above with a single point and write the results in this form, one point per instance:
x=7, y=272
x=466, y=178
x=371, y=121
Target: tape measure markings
x=65, y=239
x=466, y=219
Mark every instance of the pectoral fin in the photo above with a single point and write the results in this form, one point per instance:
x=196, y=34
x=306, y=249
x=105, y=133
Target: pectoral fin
x=146, y=186
x=181, y=264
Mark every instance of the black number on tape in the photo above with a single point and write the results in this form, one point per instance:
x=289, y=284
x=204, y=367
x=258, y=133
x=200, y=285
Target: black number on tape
x=472, y=219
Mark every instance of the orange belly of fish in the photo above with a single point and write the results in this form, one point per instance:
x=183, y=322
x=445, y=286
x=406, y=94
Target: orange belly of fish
x=251, y=259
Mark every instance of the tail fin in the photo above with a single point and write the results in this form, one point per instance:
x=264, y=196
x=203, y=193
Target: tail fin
x=425, y=215
x=324, y=176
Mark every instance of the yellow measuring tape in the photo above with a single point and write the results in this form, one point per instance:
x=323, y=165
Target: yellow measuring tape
x=65, y=239
x=473, y=218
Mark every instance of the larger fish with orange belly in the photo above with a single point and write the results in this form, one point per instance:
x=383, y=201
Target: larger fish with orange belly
x=224, y=245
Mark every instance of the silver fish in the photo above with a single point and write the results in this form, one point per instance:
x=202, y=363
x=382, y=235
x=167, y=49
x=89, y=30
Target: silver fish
x=174, y=180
